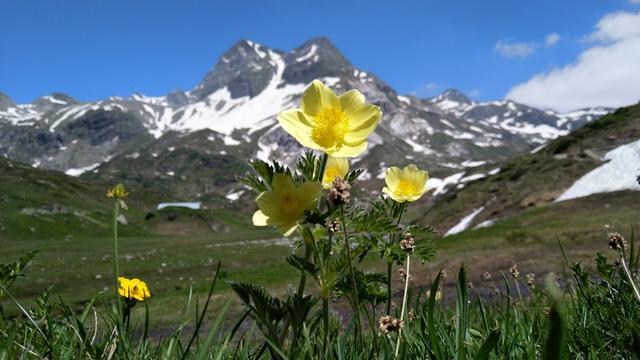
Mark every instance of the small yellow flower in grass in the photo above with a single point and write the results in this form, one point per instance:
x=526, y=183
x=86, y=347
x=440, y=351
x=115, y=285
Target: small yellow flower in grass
x=133, y=289
x=336, y=167
x=117, y=192
x=284, y=206
x=408, y=184
x=337, y=125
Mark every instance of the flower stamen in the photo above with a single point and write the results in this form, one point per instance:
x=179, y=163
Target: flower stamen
x=330, y=126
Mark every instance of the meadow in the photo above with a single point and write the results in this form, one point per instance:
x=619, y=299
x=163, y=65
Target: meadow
x=315, y=273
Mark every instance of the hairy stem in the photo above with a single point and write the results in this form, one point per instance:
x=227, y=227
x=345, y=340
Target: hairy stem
x=389, y=270
x=347, y=246
x=404, y=303
x=323, y=165
x=116, y=269
x=626, y=270
x=325, y=320
x=390, y=263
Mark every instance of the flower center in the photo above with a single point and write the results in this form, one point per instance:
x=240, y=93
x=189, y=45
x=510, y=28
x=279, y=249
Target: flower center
x=329, y=128
x=406, y=188
x=330, y=174
x=290, y=204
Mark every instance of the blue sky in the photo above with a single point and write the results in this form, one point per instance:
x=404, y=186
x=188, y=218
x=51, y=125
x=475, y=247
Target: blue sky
x=93, y=49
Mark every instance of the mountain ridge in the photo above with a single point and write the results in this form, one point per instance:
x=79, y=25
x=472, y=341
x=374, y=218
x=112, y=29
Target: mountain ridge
x=239, y=98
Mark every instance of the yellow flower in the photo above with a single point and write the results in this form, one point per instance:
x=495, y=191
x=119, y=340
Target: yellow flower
x=337, y=125
x=285, y=204
x=408, y=184
x=117, y=192
x=336, y=167
x=134, y=289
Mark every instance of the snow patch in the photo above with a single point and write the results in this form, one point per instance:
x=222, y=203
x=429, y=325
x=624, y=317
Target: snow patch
x=404, y=99
x=440, y=185
x=308, y=55
x=235, y=195
x=464, y=223
x=82, y=170
x=471, y=163
x=616, y=175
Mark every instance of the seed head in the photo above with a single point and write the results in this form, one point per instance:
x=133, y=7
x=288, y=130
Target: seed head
x=408, y=242
x=403, y=274
x=617, y=241
x=339, y=193
x=514, y=271
x=333, y=227
x=389, y=324
x=486, y=276
x=531, y=279
x=411, y=315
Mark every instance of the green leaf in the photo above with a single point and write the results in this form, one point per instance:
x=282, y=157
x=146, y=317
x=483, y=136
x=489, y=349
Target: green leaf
x=555, y=344
x=488, y=345
x=462, y=311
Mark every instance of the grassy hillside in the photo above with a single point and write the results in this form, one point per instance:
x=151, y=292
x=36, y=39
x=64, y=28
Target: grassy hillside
x=39, y=203
x=532, y=180
x=43, y=204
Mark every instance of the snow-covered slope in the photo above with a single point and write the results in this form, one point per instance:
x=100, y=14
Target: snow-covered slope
x=619, y=173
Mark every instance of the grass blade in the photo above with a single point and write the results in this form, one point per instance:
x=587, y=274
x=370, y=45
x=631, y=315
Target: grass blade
x=488, y=345
x=204, y=311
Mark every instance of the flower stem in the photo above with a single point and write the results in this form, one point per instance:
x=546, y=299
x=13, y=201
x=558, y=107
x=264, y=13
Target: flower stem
x=325, y=320
x=390, y=263
x=626, y=270
x=404, y=303
x=356, y=303
x=116, y=270
x=323, y=165
x=389, y=270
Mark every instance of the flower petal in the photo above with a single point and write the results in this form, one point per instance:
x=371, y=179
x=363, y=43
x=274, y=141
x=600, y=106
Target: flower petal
x=295, y=123
x=363, y=123
x=317, y=97
x=259, y=218
x=335, y=167
x=364, y=117
x=392, y=177
x=282, y=183
x=349, y=151
x=310, y=192
x=288, y=229
x=351, y=102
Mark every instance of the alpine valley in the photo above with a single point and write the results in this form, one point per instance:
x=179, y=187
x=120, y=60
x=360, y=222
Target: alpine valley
x=192, y=145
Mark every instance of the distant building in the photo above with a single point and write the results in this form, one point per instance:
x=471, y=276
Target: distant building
x=190, y=205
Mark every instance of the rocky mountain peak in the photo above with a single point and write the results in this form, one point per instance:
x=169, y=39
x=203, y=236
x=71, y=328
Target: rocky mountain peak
x=316, y=58
x=452, y=95
x=5, y=101
x=245, y=69
x=53, y=101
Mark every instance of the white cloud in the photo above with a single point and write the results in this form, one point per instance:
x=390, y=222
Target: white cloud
x=606, y=74
x=427, y=89
x=430, y=87
x=615, y=27
x=475, y=93
x=511, y=50
x=552, y=39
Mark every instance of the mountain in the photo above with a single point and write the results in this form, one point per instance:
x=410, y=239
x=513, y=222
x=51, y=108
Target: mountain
x=601, y=157
x=235, y=105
